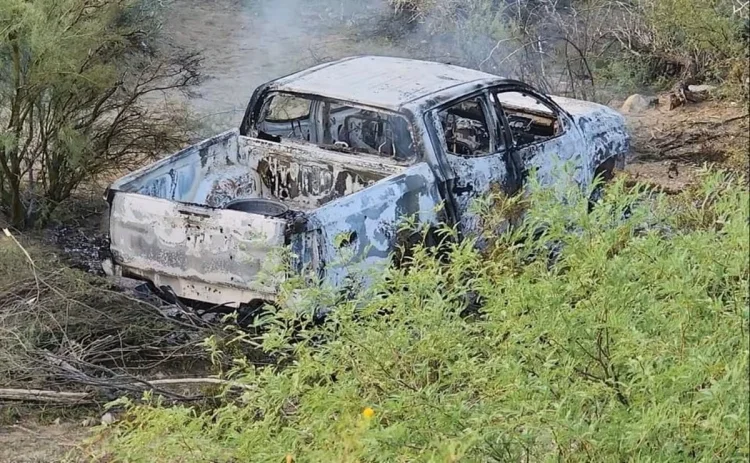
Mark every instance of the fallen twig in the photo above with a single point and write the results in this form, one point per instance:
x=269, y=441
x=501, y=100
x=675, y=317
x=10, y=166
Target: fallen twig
x=28, y=256
x=722, y=122
x=177, y=381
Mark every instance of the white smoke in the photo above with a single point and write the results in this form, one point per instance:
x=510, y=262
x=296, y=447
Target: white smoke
x=249, y=42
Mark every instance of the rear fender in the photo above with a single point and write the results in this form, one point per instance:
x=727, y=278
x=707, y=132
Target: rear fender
x=359, y=233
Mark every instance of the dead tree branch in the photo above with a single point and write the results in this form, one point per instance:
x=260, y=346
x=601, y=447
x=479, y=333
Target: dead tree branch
x=83, y=398
x=50, y=397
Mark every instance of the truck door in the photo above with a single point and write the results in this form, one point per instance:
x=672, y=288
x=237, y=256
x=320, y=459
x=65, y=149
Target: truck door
x=467, y=132
x=544, y=138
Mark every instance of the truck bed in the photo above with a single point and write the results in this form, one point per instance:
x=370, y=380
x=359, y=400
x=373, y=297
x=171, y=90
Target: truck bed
x=168, y=224
x=230, y=166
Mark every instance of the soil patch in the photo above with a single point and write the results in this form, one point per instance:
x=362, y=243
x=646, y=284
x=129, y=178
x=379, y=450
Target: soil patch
x=35, y=443
x=671, y=147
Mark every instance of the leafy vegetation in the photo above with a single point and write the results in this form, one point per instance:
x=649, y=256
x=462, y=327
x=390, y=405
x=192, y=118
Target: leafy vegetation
x=692, y=39
x=78, y=81
x=620, y=335
x=625, y=341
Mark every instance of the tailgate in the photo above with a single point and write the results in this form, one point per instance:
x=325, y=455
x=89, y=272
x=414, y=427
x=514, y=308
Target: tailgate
x=211, y=255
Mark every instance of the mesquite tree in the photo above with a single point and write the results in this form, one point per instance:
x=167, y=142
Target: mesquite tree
x=84, y=90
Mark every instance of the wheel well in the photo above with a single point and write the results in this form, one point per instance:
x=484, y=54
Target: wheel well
x=606, y=169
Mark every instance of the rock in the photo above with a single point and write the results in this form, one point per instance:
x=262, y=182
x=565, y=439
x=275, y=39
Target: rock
x=211, y=317
x=637, y=103
x=701, y=88
x=108, y=418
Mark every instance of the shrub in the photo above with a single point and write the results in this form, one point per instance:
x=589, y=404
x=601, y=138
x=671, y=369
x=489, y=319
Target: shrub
x=692, y=39
x=629, y=343
x=588, y=48
x=77, y=85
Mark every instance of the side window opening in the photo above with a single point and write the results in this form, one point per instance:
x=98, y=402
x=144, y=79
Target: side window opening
x=465, y=128
x=529, y=120
x=286, y=116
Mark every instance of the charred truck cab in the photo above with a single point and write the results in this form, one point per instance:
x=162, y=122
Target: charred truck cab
x=333, y=158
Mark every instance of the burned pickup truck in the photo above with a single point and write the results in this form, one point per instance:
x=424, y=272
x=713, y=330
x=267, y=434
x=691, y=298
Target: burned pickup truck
x=335, y=157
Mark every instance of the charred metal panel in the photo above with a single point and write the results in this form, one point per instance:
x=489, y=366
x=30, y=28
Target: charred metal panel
x=475, y=177
x=553, y=159
x=359, y=232
x=185, y=175
x=603, y=130
x=229, y=166
x=378, y=81
x=592, y=134
x=306, y=177
x=221, y=251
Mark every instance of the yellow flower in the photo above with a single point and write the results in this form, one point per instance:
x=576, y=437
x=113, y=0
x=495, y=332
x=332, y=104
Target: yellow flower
x=368, y=413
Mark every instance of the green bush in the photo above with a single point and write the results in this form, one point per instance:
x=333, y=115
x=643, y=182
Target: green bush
x=629, y=343
x=689, y=39
x=84, y=91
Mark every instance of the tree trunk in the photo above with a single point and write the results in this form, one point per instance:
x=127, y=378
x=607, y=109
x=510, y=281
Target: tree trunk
x=11, y=158
x=17, y=215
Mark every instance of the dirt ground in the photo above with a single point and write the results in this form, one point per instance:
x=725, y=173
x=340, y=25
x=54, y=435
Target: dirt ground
x=244, y=47
x=34, y=443
x=671, y=147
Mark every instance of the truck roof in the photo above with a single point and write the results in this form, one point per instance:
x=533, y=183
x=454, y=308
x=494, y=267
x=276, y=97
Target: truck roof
x=379, y=81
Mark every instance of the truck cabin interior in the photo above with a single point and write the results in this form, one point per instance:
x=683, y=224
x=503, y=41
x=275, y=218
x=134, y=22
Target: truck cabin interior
x=468, y=129
x=529, y=119
x=360, y=147
x=335, y=126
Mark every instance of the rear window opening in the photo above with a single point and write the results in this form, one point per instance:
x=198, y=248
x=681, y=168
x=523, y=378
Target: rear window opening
x=336, y=126
x=285, y=116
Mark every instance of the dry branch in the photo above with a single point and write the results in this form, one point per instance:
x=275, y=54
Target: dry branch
x=64, y=330
x=184, y=381
x=81, y=398
x=723, y=121
x=36, y=395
